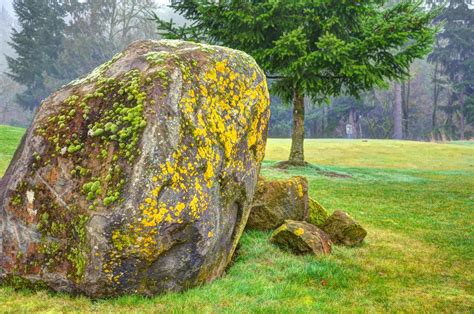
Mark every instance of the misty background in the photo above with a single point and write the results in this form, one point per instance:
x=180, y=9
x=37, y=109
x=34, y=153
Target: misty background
x=430, y=112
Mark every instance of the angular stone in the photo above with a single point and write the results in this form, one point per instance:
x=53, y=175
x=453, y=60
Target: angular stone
x=301, y=237
x=278, y=200
x=317, y=213
x=343, y=229
x=139, y=177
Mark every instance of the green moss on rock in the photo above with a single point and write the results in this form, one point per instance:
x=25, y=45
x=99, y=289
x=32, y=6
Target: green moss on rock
x=317, y=213
x=278, y=200
x=301, y=237
x=343, y=229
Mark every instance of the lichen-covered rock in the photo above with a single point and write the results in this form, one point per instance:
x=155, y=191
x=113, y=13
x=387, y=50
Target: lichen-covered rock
x=342, y=229
x=139, y=177
x=301, y=237
x=278, y=200
x=317, y=213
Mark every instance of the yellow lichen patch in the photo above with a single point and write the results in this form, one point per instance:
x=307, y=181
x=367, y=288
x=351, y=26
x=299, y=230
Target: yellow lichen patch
x=179, y=208
x=221, y=66
x=193, y=205
x=130, y=241
x=209, y=173
x=299, y=231
x=203, y=90
x=223, y=114
x=300, y=190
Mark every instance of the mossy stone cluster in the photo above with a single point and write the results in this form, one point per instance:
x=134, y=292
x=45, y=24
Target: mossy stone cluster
x=285, y=207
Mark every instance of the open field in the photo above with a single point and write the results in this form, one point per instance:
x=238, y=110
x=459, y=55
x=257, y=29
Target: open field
x=415, y=199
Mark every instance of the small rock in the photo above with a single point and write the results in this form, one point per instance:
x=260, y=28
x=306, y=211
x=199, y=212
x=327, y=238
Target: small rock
x=317, y=213
x=343, y=229
x=301, y=238
x=278, y=200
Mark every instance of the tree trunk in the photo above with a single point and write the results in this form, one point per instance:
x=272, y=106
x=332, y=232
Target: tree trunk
x=435, y=98
x=449, y=124
x=405, y=107
x=325, y=120
x=297, y=138
x=461, y=116
x=397, y=113
x=352, y=121
x=323, y=125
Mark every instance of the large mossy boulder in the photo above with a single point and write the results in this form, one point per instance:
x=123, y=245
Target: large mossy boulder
x=301, y=237
x=278, y=200
x=343, y=229
x=139, y=177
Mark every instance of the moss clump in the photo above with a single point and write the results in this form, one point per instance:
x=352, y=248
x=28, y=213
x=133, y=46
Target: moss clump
x=78, y=260
x=157, y=57
x=17, y=282
x=92, y=189
x=16, y=200
x=77, y=254
x=72, y=148
x=317, y=213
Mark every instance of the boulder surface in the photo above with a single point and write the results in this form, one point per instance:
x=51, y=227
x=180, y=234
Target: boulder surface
x=301, y=237
x=139, y=177
x=278, y=200
x=317, y=213
x=343, y=229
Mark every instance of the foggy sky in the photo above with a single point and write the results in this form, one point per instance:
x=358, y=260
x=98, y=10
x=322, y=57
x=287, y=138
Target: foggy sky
x=8, y=4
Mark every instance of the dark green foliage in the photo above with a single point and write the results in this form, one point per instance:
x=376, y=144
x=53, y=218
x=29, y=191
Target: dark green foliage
x=313, y=48
x=84, y=46
x=60, y=41
x=321, y=48
x=454, y=52
x=96, y=30
x=37, y=44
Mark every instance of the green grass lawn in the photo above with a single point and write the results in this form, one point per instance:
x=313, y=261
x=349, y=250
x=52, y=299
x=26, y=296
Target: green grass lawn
x=415, y=199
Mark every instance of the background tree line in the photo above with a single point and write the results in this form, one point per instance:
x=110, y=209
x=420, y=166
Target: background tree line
x=55, y=41
x=58, y=40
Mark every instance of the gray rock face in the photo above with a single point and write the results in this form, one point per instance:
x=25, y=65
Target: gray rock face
x=139, y=177
x=278, y=200
x=301, y=237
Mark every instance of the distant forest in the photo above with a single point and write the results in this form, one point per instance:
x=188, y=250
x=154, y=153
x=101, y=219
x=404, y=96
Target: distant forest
x=67, y=39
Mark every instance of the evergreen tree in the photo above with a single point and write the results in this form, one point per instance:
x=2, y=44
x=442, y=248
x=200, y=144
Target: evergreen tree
x=313, y=48
x=37, y=45
x=454, y=52
x=95, y=31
